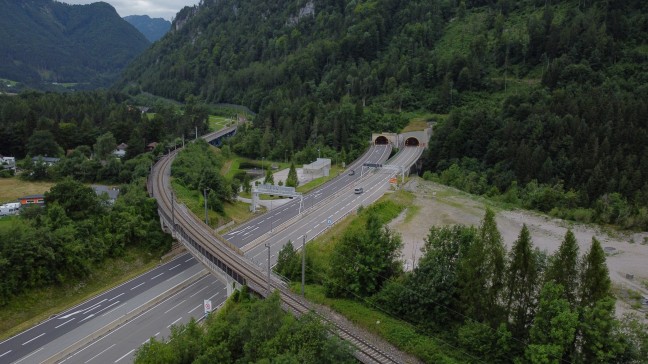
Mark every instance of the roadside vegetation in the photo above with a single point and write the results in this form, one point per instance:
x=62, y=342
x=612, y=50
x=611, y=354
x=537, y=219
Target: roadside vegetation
x=469, y=299
x=236, y=334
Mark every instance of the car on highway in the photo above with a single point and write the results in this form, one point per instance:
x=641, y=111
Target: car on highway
x=352, y=172
x=358, y=190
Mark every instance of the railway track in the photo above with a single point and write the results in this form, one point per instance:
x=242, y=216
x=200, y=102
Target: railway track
x=215, y=249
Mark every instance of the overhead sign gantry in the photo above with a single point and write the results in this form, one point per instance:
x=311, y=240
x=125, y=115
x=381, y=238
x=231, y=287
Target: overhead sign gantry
x=267, y=189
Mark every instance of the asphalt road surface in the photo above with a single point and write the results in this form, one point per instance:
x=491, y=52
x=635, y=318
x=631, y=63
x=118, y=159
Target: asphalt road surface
x=249, y=232
x=339, y=205
x=75, y=323
x=120, y=345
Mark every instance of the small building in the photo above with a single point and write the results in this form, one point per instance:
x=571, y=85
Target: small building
x=50, y=161
x=32, y=200
x=120, y=152
x=12, y=208
x=8, y=162
x=320, y=167
x=111, y=192
x=151, y=146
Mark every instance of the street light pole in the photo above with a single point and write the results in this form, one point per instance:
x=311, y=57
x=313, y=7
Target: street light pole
x=303, y=264
x=268, y=246
x=205, y=196
x=172, y=214
x=318, y=153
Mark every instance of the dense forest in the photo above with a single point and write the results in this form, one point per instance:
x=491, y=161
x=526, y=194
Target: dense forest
x=46, y=42
x=546, y=99
x=73, y=233
x=51, y=124
x=477, y=301
x=76, y=231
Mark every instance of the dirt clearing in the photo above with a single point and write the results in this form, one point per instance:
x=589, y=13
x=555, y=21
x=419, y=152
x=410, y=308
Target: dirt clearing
x=438, y=205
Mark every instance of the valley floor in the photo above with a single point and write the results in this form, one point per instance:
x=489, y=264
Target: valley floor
x=437, y=205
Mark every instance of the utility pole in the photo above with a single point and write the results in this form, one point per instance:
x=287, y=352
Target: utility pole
x=206, y=217
x=268, y=246
x=172, y=214
x=196, y=133
x=303, y=264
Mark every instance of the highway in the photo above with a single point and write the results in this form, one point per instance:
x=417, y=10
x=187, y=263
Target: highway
x=61, y=331
x=255, y=228
x=220, y=256
x=343, y=202
x=330, y=202
x=120, y=345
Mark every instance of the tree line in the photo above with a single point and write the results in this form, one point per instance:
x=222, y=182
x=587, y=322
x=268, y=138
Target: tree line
x=248, y=330
x=75, y=232
x=495, y=305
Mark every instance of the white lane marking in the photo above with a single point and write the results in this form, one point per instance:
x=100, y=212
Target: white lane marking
x=199, y=291
x=187, y=261
x=137, y=286
x=70, y=314
x=117, y=296
x=56, y=327
x=88, y=317
x=91, y=309
x=28, y=341
x=93, y=306
x=107, y=307
x=158, y=333
x=194, y=309
x=125, y=355
x=181, y=302
x=173, y=323
x=113, y=309
x=5, y=353
x=175, y=266
x=103, y=351
x=16, y=362
x=152, y=278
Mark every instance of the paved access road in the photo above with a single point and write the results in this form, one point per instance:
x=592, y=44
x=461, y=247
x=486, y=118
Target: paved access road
x=340, y=204
x=249, y=232
x=33, y=343
x=120, y=345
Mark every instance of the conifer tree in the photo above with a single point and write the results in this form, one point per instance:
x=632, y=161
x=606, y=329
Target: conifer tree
x=564, y=268
x=292, y=180
x=269, y=178
x=595, y=279
x=554, y=327
x=521, y=282
x=482, y=274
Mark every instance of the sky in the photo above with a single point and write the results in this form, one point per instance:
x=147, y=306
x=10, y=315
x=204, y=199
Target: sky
x=166, y=9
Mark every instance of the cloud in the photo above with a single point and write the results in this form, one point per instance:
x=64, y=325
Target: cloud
x=166, y=9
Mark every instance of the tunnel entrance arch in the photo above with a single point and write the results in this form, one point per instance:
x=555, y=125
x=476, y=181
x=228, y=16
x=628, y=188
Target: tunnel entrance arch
x=412, y=142
x=381, y=140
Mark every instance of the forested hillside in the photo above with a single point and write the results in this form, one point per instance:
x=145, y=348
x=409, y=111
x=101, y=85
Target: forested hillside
x=45, y=42
x=546, y=93
x=152, y=28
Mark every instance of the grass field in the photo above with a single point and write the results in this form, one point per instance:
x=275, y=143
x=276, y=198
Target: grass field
x=7, y=221
x=13, y=188
x=217, y=123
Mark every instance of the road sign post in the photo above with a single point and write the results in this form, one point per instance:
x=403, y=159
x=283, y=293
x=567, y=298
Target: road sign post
x=207, y=304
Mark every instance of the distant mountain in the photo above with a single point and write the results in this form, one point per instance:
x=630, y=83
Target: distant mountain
x=44, y=42
x=152, y=28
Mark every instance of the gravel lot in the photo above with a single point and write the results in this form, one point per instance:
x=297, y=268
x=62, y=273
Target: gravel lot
x=437, y=205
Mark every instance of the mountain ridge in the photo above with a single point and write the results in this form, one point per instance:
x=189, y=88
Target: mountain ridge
x=152, y=28
x=49, y=42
